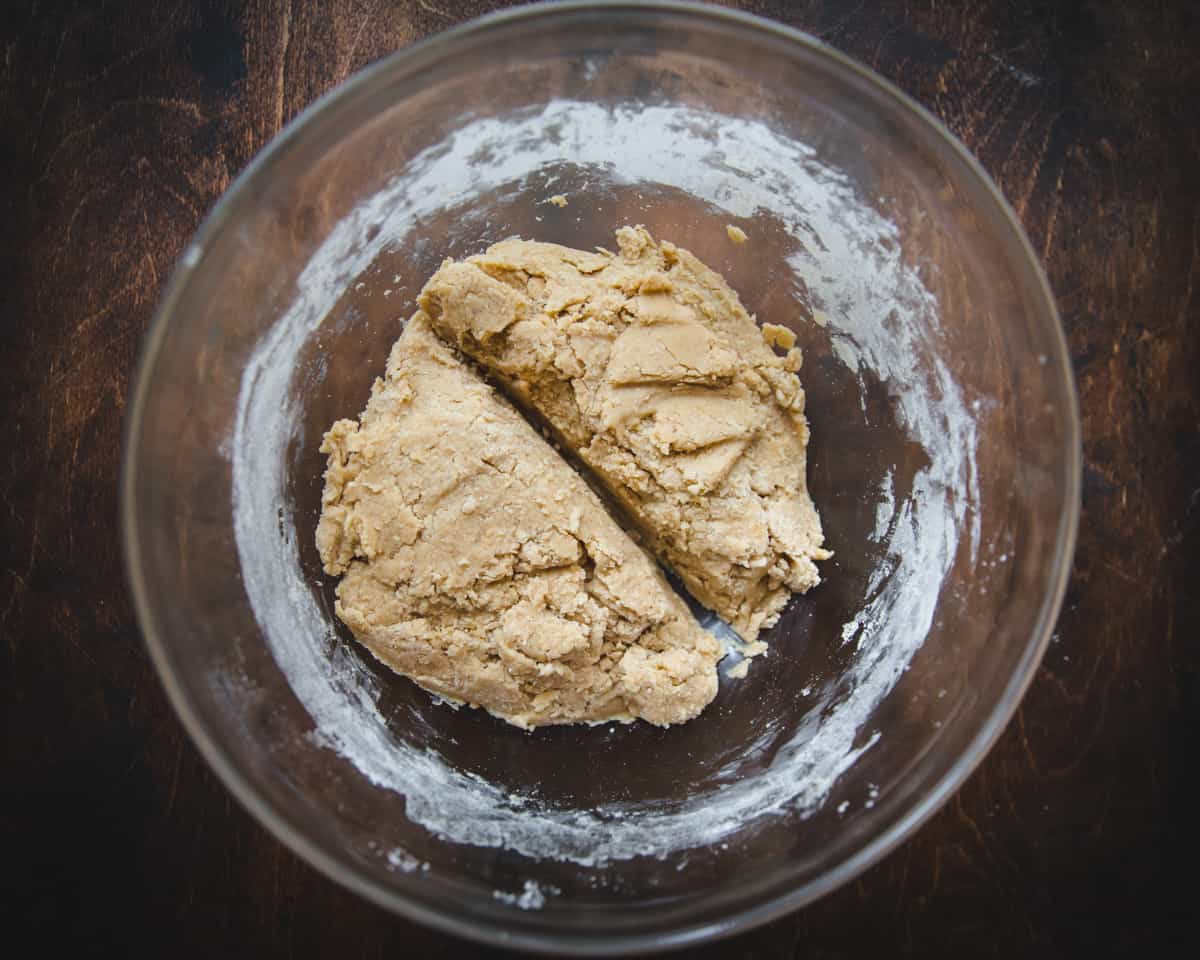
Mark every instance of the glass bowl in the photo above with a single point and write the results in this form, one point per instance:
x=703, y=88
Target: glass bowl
x=944, y=461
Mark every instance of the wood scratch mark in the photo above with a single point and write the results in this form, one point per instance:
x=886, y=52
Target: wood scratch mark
x=99, y=313
x=175, y=776
x=50, y=415
x=979, y=88
x=1018, y=139
x=276, y=883
x=134, y=286
x=148, y=258
x=285, y=40
x=163, y=103
x=49, y=91
x=1001, y=117
x=70, y=485
x=175, y=194
x=436, y=11
x=19, y=587
x=839, y=25
x=1186, y=301
x=990, y=93
x=1052, y=219
x=21, y=580
x=71, y=224
x=1026, y=746
x=348, y=65
x=967, y=819
x=1083, y=745
x=169, y=28
x=1121, y=574
x=70, y=630
x=936, y=878
x=1039, y=159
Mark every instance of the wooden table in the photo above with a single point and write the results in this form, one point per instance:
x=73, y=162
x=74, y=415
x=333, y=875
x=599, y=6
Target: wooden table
x=122, y=125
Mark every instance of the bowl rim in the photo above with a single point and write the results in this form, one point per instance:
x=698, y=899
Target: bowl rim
x=906, y=824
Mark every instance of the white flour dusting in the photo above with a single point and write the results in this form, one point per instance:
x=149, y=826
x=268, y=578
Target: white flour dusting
x=405, y=862
x=880, y=318
x=531, y=897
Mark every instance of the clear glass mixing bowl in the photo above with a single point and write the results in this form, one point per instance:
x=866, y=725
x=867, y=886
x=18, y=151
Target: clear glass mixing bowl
x=944, y=460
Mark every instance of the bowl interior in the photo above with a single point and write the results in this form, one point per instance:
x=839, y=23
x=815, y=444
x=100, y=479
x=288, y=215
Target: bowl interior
x=943, y=463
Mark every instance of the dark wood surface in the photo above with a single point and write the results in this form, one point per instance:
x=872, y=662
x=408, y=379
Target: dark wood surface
x=120, y=124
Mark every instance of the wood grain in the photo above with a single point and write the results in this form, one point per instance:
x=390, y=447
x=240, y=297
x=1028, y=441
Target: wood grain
x=122, y=124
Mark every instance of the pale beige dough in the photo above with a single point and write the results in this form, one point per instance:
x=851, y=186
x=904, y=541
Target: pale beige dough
x=646, y=364
x=478, y=563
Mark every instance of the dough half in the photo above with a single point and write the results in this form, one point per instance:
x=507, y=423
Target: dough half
x=647, y=365
x=477, y=562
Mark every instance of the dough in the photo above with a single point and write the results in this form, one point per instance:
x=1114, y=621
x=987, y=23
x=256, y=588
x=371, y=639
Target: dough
x=645, y=363
x=478, y=563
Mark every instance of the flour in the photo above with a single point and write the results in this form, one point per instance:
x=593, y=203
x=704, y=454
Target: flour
x=881, y=319
x=531, y=897
x=405, y=862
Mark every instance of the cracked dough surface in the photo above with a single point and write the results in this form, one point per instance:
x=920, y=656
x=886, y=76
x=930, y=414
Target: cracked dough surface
x=647, y=365
x=478, y=563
